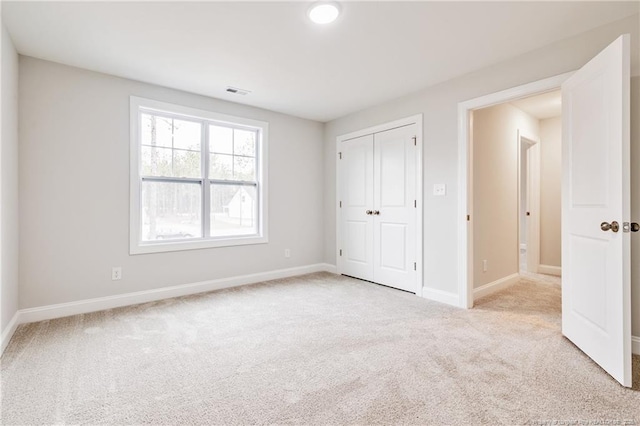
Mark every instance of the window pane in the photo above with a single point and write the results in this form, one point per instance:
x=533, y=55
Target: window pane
x=233, y=210
x=244, y=168
x=171, y=211
x=186, y=135
x=244, y=142
x=221, y=166
x=155, y=131
x=221, y=140
x=156, y=161
x=186, y=163
x=166, y=162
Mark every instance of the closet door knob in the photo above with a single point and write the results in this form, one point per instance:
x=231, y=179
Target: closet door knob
x=369, y=212
x=376, y=212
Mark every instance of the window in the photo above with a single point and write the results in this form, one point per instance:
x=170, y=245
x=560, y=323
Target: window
x=198, y=178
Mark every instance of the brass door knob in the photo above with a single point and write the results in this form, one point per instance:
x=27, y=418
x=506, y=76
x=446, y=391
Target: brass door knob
x=635, y=227
x=613, y=226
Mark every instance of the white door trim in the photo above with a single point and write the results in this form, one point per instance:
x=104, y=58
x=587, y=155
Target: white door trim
x=465, y=202
x=533, y=194
x=414, y=119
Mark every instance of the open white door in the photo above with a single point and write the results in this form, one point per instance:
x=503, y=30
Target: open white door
x=596, y=291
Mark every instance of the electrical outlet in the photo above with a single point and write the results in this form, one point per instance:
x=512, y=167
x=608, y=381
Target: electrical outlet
x=485, y=265
x=116, y=273
x=287, y=253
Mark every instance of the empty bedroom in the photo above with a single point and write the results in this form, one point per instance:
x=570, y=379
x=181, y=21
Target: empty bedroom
x=320, y=212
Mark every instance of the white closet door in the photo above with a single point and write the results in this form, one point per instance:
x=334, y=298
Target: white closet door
x=394, y=219
x=357, y=199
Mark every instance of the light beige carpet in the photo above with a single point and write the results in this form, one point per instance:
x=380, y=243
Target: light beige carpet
x=318, y=349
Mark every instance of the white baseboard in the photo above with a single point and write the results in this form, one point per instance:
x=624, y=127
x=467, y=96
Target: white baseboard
x=330, y=268
x=92, y=305
x=8, y=332
x=60, y=310
x=109, y=302
x=550, y=270
x=441, y=296
x=496, y=285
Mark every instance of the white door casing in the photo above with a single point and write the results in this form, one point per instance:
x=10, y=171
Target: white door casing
x=596, y=292
x=465, y=297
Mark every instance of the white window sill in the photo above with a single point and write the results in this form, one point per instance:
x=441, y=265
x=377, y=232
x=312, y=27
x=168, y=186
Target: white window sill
x=167, y=246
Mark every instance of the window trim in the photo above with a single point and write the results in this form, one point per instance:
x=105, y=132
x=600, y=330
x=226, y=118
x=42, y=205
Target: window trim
x=136, y=245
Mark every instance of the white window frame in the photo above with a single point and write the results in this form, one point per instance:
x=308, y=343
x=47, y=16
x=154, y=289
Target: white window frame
x=136, y=245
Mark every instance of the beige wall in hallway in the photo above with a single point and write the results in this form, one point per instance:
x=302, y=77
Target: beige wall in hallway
x=550, y=185
x=495, y=189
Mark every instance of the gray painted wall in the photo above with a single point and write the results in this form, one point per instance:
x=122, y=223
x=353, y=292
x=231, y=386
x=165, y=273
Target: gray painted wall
x=439, y=104
x=9, y=187
x=74, y=190
x=74, y=176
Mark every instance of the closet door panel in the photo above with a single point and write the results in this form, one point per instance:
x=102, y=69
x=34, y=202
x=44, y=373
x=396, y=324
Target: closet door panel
x=394, y=223
x=394, y=237
x=357, y=199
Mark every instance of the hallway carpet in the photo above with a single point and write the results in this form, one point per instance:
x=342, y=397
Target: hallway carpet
x=317, y=349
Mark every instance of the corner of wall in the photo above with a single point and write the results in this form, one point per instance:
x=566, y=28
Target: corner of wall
x=9, y=278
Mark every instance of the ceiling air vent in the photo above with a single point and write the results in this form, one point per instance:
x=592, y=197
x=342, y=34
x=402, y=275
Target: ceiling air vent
x=237, y=91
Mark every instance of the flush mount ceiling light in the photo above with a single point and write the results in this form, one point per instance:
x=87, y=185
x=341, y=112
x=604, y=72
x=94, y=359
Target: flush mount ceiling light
x=324, y=12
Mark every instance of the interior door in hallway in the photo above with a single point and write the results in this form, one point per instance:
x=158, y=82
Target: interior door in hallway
x=596, y=289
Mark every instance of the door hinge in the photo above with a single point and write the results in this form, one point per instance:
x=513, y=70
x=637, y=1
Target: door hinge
x=415, y=204
x=340, y=155
x=415, y=141
x=340, y=204
x=415, y=266
x=468, y=218
x=340, y=252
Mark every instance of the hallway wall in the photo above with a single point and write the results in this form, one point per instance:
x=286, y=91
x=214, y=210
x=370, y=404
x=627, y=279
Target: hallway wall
x=550, y=188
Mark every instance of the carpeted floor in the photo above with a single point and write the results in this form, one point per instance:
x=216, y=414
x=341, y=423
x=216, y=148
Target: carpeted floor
x=317, y=349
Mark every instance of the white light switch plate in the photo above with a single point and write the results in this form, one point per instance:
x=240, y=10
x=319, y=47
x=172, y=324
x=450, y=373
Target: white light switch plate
x=439, y=189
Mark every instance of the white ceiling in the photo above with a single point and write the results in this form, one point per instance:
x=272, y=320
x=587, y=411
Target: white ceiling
x=374, y=52
x=543, y=106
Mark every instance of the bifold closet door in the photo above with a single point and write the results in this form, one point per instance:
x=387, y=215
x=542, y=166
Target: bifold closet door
x=357, y=204
x=394, y=223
